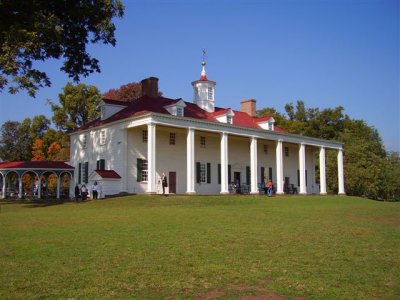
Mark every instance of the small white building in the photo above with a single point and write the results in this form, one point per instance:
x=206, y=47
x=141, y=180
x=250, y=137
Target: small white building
x=200, y=147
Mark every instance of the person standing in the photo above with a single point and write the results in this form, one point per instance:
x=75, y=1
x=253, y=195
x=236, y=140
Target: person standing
x=95, y=189
x=270, y=187
x=84, y=192
x=164, y=183
x=77, y=192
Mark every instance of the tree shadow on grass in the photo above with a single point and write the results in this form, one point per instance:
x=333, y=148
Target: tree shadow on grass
x=34, y=203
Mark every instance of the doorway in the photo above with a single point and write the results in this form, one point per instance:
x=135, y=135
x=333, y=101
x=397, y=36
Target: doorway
x=236, y=178
x=172, y=182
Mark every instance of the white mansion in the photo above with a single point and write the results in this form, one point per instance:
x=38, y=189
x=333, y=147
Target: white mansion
x=201, y=148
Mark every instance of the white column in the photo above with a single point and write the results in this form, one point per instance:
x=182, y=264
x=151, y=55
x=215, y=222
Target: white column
x=151, y=158
x=322, y=171
x=19, y=186
x=39, y=187
x=124, y=155
x=224, y=163
x=58, y=186
x=190, y=162
x=279, y=167
x=253, y=166
x=340, y=172
x=302, y=168
x=3, y=188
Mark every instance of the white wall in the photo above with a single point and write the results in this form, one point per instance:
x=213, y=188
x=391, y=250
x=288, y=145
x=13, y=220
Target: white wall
x=172, y=158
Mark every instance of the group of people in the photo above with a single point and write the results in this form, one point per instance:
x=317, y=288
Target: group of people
x=82, y=192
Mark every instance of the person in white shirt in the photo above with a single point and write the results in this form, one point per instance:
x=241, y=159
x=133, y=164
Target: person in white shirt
x=95, y=189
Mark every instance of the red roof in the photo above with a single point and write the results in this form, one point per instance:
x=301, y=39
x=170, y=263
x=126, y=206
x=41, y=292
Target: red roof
x=146, y=104
x=108, y=174
x=54, y=165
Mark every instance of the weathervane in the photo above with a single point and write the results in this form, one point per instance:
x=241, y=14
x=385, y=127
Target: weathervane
x=203, y=62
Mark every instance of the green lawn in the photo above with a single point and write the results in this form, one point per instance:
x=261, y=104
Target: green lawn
x=225, y=247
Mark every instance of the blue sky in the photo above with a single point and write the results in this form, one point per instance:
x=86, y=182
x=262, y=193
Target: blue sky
x=324, y=52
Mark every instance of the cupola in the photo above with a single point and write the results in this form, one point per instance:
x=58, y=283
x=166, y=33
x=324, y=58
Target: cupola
x=204, y=90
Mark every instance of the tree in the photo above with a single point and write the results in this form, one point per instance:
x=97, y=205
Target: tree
x=368, y=170
x=37, y=150
x=78, y=105
x=53, y=140
x=39, y=30
x=56, y=152
x=127, y=92
x=17, y=138
x=9, y=141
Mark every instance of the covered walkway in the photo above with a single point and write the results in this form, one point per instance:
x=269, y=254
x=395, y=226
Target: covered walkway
x=35, y=179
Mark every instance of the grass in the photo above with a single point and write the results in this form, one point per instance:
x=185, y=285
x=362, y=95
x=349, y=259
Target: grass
x=225, y=247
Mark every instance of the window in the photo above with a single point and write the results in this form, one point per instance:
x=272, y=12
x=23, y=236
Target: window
x=84, y=141
x=266, y=149
x=142, y=170
x=203, y=172
x=202, y=142
x=144, y=136
x=172, y=138
x=103, y=137
x=229, y=119
x=85, y=172
x=179, y=111
x=286, y=151
x=210, y=93
x=101, y=164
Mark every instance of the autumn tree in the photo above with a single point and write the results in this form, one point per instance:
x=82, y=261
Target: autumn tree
x=37, y=150
x=56, y=152
x=79, y=104
x=16, y=138
x=40, y=30
x=127, y=92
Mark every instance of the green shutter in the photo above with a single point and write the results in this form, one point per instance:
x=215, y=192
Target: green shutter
x=102, y=164
x=79, y=173
x=139, y=164
x=197, y=172
x=219, y=173
x=270, y=173
x=262, y=179
x=97, y=165
x=248, y=175
x=298, y=177
x=229, y=174
x=208, y=173
x=86, y=172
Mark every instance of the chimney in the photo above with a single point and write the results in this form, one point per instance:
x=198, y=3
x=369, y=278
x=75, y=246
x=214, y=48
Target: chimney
x=249, y=107
x=150, y=87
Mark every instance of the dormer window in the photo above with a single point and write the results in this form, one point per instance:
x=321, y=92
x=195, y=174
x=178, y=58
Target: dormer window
x=179, y=111
x=177, y=108
x=226, y=116
x=103, y=112
x=266, y=123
